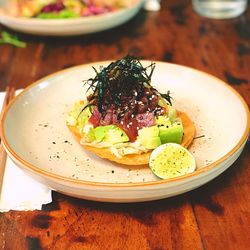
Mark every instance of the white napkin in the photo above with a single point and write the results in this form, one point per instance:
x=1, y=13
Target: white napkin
x=20, y=191
x=152, y=5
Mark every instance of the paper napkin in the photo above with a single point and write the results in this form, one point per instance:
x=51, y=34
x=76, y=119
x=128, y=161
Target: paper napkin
x=20, y=191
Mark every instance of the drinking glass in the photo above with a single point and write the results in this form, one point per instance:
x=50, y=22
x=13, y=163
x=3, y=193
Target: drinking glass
x=219, y=9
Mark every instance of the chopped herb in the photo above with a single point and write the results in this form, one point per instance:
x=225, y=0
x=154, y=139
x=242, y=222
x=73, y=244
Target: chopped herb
x=167, y=97
x=198, y=137
x=7, y=38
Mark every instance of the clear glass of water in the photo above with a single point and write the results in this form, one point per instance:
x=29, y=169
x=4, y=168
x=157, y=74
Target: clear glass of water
x=219, y=9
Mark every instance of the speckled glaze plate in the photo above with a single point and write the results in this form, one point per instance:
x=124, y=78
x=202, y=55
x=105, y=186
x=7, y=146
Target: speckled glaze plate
x=37, y=139
x=68, y=27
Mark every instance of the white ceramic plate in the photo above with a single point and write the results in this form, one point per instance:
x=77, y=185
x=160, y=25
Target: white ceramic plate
x=68, y=27
x=37, y=139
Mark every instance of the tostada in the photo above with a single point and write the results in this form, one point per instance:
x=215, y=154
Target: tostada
x=123, y=117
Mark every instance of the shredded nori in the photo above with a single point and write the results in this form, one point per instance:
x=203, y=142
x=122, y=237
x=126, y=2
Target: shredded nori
x=121, y=83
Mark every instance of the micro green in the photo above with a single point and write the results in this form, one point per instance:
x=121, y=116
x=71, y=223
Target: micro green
x=7, y=38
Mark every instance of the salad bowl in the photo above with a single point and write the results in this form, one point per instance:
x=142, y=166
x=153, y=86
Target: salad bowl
x=68, y=26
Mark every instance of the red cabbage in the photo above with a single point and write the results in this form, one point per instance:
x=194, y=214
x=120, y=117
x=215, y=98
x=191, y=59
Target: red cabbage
x=54, y=7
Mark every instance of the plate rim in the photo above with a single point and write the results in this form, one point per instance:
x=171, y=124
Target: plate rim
x=57, y=177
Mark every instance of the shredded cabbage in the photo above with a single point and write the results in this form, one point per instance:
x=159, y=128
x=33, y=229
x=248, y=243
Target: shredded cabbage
x=119, y=149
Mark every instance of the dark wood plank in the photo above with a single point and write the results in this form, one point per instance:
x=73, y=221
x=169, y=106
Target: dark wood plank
x=109, y=226
x=222, y=207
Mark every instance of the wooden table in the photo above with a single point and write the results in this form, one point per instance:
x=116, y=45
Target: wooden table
x=215, y=216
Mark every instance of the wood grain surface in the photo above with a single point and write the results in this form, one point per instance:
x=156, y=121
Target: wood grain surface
x=214, y=216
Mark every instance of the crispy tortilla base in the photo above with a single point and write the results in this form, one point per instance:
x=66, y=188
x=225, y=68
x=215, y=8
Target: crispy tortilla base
x=140, y=159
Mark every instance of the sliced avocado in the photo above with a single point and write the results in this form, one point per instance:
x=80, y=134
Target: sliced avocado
x=169, y=119
x=148, y=132
x=77, y=117
x=167, y=128
x=162, y=102
x=109, y=133
x=101, y=131
x=91, y=134
x=171, y=133
x=162, y=120
x=149, y=137
x=115, y=135
x=151, y=143
x=172, y=114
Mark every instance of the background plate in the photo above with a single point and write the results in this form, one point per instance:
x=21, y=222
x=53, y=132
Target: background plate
x=38, y=140
x=67, y=27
